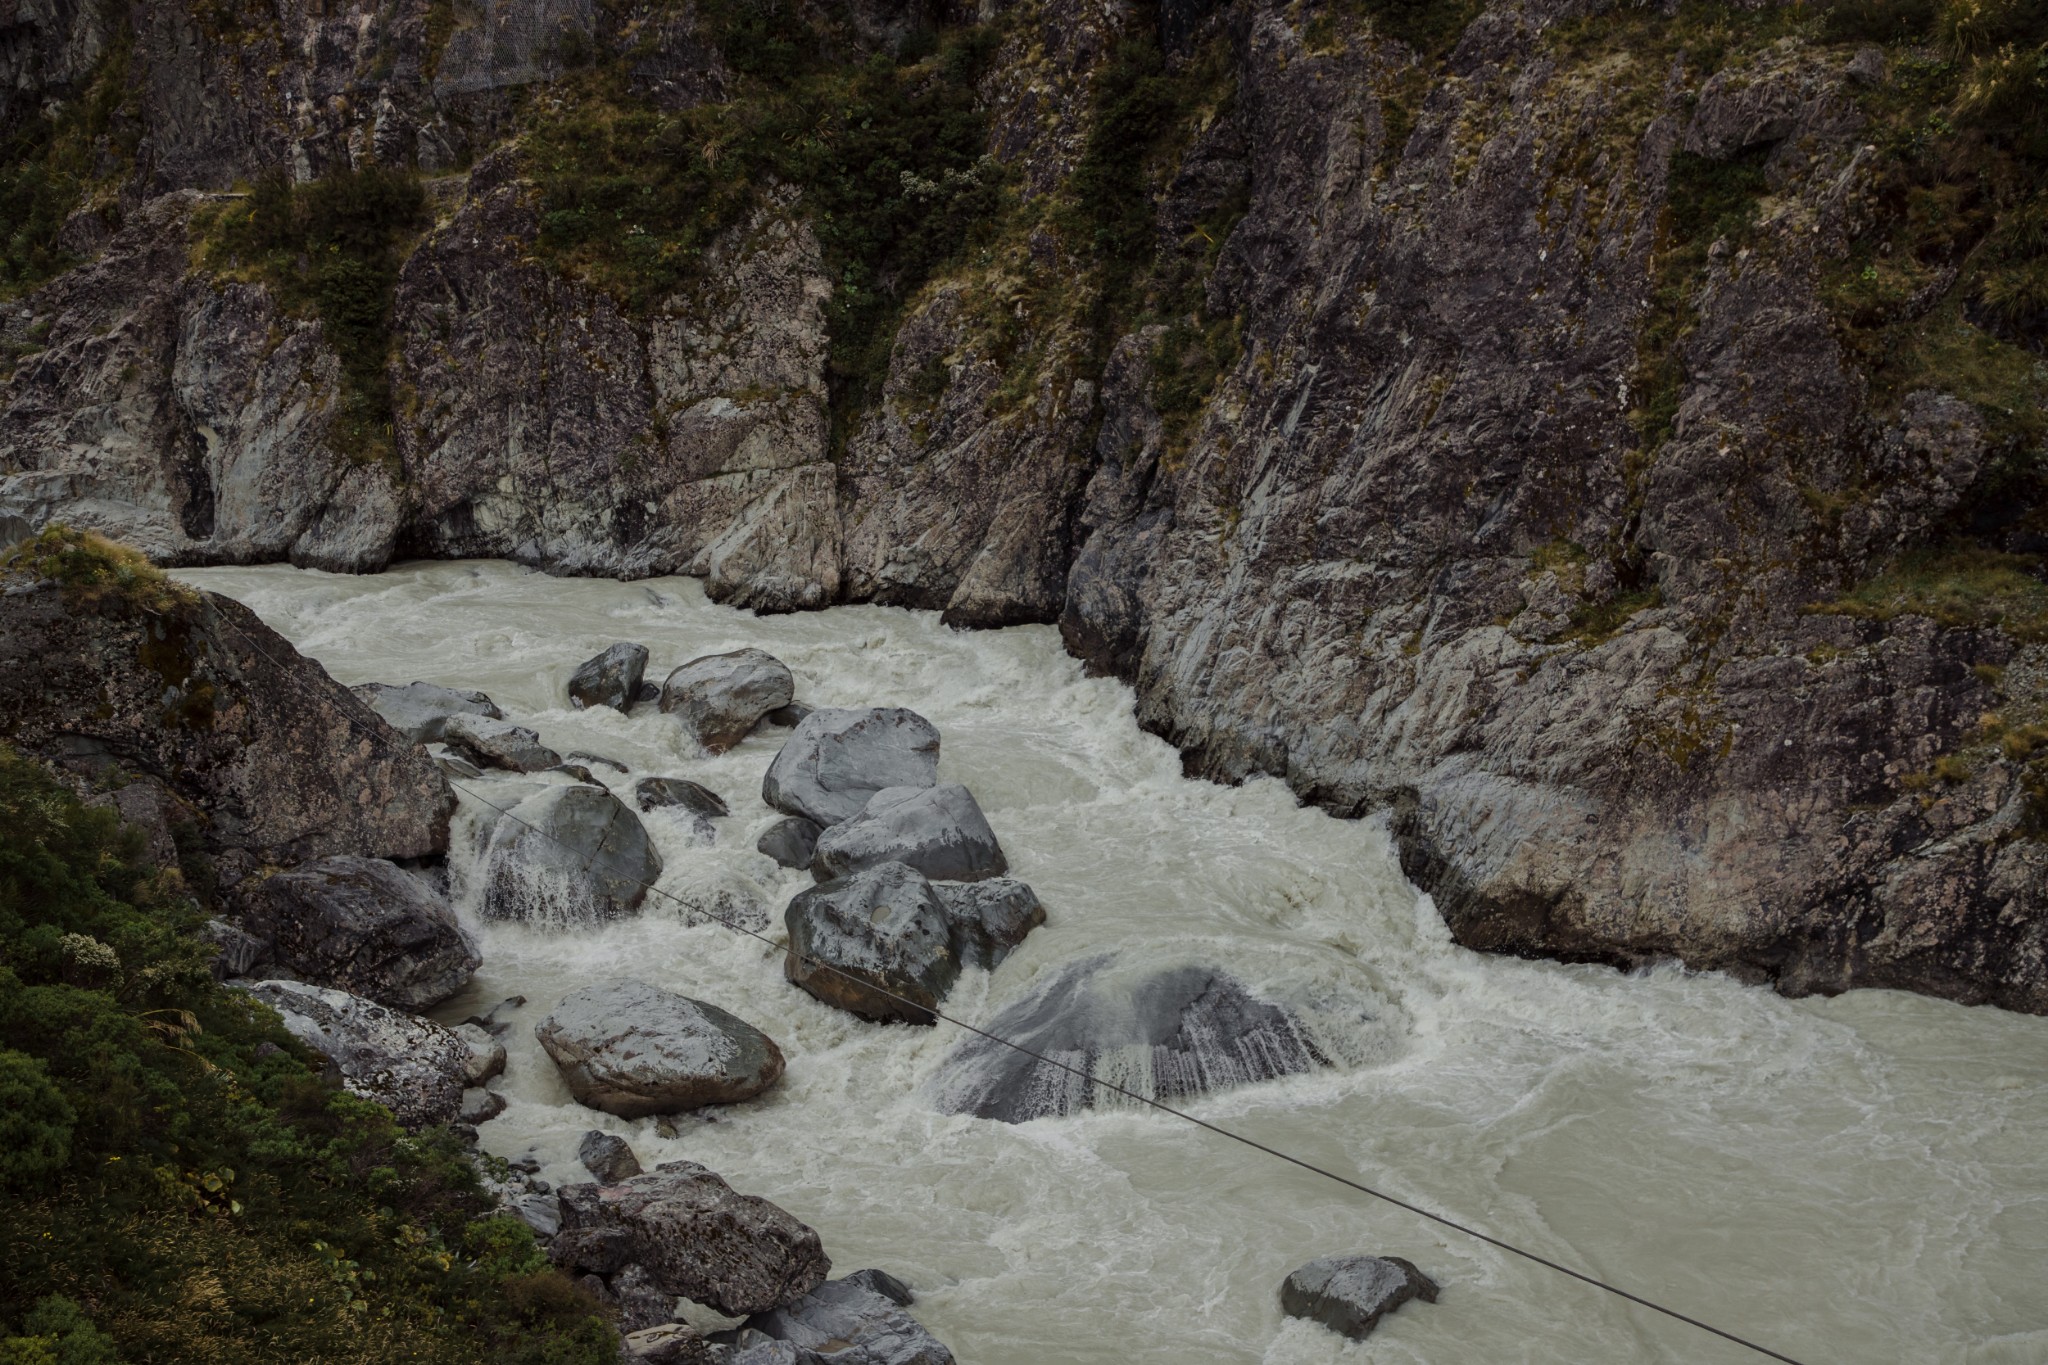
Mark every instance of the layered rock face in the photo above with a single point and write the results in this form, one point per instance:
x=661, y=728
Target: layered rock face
x=1534, y=430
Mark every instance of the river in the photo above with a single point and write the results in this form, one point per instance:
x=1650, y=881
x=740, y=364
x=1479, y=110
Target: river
x=1847, y=1180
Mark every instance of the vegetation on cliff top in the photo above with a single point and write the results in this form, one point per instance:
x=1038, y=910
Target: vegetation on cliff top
x=181, y=1186
x=96, y=573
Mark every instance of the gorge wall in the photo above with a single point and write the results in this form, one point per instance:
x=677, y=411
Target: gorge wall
x=1604, y=436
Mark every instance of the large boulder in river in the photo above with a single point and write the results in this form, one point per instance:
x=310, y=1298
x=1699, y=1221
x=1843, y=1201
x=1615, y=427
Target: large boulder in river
x=611, y=679
x=418, y=710
x=839, y=757
x=632, y=1049
x=720, y=698
x=365, y=926
x=989, y=918
x=108, y=670
x=1157, y=1032
x=939, y=830
x=878, y=944
x=413, y=1066
x=791, y=841
x=499, y=744
x=847, y=1322
x=568, y=855
x=695, y=1237
x=1350, y=1294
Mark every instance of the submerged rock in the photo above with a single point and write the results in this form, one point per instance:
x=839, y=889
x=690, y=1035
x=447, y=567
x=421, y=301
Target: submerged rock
x=720, y=697
x=838, y=758
x=419, y=710
x=363, y=925
x=1159, y=1033
x=413, y=1066
x=498, y=744
x=1350, y=1294
x=938, y=830
x=989, y=918
x=653, y=793
x=611, y=679
x=695, y=1236
x=607, y=1156
x=878, y=944
x=632, y=1049
x=849, y=1323
x=568, y=855
x=791, y=841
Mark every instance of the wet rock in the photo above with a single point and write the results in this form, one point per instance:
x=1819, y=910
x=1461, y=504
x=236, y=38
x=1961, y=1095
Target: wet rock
x=607, y=1156
x=498, y=744
x=647, y=693
x=1350, y=1294
x=454, y=764
x=480, y=1105
x=838, y=758
x=653, y=793
x=585, y=756
x=791, y=841
x=611, y=679
x=498, y=1018
x=565, y=856
x=883, y=1283
x=414, y=1066
x=698, y=1239
x=1158, y=1032
x=632, y=1049
x=720, y=697
x=670, y=1343
x=420, y=710
x=877, y=944
x=363, y=925
x=579, y=772
x=486, y=1053
x=541, y=1212
x=989, y=918
x=847, y=1321
x=938, y=830
x=788, y=717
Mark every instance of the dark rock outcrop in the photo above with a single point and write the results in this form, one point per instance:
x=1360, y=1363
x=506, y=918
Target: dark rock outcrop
x=633, y=1050
x=607, y=1156
x=1350, y=1294
x=791, y=841
x=839, y=757
x=565, y=856
x=363, y=926
x=412, y=1065
x=878, y=944
x=938, y=830
x=720, y=698
x=653, y=793
x=989, y=918
x=611, y=679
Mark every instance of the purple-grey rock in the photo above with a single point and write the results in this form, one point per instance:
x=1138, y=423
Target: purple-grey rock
x=364, y=926
x=419, y=710
x=838, y=758
x=938, y=830
x=632, y=1049
x=567, y=856
x=850, y=1323
x=1350, y=1294
x=721, y=697
x=413, y=1066
x=877, y=944
x=607, y=1156
x=989, y=918
x=611, y=679
x=791, y=841
x=498, y=744
x=653, y=793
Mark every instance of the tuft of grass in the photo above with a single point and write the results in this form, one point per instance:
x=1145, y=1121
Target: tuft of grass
x=1965, y=586
x=96, y=573
x=1598, y=622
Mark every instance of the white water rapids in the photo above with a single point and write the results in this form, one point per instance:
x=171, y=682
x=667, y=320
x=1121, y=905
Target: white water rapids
x=1848, y=1180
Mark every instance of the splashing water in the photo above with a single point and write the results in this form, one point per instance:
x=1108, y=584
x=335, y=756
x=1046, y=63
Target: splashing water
x=1855, y=1179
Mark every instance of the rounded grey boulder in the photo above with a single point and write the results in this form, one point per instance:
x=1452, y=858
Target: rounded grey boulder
x=877, y=944
x=413, y=1066
x=611, y=679
x=568, y=855
x=364, y=926
x=498, y=744
x=632, y=1049
x=653, y=793
x=607, y=1156
x=791, y=841
x=721, y=697
x=990, y=918
x=939, y=830
x=839, y=757
x=1350, y=1294
x=419, y=710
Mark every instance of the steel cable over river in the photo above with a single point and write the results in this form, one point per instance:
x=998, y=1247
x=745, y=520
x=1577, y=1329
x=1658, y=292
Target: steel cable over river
x=1854, y=1179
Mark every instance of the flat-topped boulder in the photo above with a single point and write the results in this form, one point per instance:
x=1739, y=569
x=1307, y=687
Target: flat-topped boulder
x=364, y=926
x=719, y=698
x=1350, y=1294
x=611, y=679
x=498, y=744
x=632, y=1049
x=938, y=830
x=413, y=1066
x=837, y=758
x=418, y=710
x=878, y=944
x=849, y=1320
x=567, y=855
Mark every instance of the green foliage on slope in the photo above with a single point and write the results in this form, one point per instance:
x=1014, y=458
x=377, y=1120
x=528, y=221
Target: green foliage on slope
x=55, y=162
x=180, y=1184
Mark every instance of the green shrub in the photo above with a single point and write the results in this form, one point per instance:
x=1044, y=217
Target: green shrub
x=35, y=1123
x=52, y=164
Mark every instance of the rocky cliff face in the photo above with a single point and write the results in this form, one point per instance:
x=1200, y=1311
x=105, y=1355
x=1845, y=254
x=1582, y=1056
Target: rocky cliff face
x=1553, y=424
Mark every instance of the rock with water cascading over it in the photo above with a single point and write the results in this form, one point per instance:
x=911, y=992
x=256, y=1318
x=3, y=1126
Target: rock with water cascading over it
x=791, y=841
x=989, y=918
x=498, y=744
x=419, y=710
x=565, y=856
x=848, y=1322
x=938, y=830
x=632, y=1049
x=1350, y=1294
x=654, y=793
x=611, y=679
x=607, y=1156
x=1160, y=1033
x=839, y=757
x=721, y=697
x=413, y=1066
x=695, y=1235
x=363, y=925
x=877, y=944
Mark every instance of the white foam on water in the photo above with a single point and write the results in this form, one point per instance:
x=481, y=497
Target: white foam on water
x=1856, y=1179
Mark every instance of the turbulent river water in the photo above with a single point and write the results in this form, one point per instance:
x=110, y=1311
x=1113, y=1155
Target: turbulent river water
x=1857, y=1179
